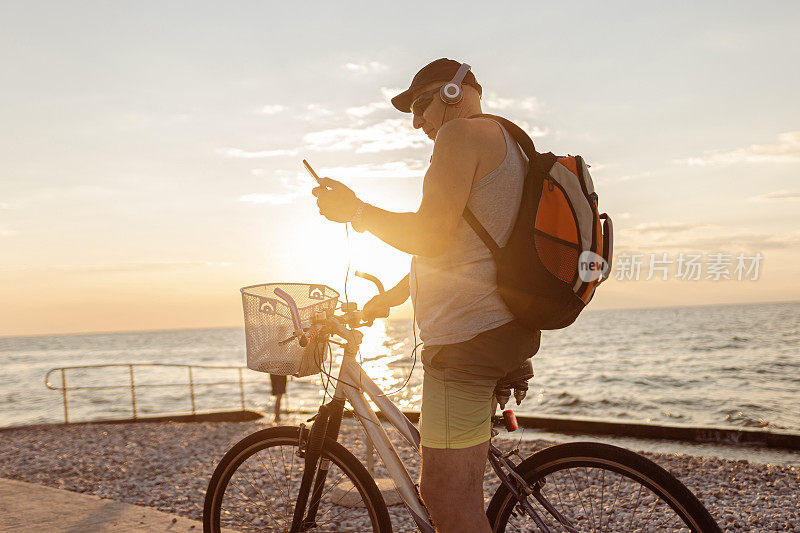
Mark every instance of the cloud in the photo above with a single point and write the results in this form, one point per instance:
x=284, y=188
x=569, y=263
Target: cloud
x=707, y=238
x=391, y=134
x=778, y=195
x=365, y=67
x=316, y=112
x=293, y=184
x=272, y=109
x=4, y=205
x=599, y=175
x=390, y=92
x=532, y=131
x=364, y=110
x=392, y=169
x=152, y=266
x=8, y=232
x=786, y=150
x=530, y=104
x=269, y=198
x=659, y=228
x=244, y=154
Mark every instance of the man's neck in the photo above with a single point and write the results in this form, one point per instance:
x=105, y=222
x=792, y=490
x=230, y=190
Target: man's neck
x=468, y=111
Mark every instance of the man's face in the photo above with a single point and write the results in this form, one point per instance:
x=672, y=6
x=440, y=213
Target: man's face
x=431, y=120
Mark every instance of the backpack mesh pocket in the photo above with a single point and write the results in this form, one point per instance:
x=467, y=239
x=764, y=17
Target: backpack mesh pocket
x=560, y=259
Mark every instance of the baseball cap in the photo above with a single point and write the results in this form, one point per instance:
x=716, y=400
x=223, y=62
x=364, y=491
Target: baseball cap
x=440, y=70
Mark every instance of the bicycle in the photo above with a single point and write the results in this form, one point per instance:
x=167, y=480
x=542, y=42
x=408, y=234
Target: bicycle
x=566, y=487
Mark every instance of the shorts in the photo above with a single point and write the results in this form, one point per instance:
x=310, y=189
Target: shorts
x=459, y=380
x=278, y=384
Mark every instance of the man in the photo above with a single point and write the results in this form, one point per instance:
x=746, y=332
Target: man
x=470, y=337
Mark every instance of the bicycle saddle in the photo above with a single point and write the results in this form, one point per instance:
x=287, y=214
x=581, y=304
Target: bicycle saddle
x=516, y=379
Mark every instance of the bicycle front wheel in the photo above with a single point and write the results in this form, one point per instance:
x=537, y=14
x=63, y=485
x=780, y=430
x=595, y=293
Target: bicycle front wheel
x=256, y=484
x=599, y=487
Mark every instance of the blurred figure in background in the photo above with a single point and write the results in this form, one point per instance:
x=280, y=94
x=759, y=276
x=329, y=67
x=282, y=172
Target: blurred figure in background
x=278, y=390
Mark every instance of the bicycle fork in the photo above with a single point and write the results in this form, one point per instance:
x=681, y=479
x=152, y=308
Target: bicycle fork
x=326, y=425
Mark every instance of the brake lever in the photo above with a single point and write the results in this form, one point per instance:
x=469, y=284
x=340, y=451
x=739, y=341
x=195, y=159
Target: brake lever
x=302, y=339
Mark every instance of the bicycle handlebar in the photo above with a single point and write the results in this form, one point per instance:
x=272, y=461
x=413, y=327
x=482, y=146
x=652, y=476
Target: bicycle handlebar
x=371, y=278
x=353, y=318
x=292, y=307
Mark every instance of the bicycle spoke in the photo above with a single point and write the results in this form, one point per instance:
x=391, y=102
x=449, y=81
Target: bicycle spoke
x=616, y=495
x=578, y=492
x=265, y=507
x=330, y=487
x=287, y=504
x=591, y=502
x=602, y=494
x=285, y=497
x=560, y=500
x=638, y=497
x=650, y=512
x=251, y=503
x=589, y=496
x=257, y=489
x=343, y=507
x=555, y=517
x=288, y=484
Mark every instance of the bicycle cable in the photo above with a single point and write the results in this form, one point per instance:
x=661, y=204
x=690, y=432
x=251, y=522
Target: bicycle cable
x=327, y=376
x=414, y=332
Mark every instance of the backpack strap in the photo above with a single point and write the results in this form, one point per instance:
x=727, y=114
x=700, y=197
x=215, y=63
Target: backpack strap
x=527, y=146
x=516, y=132
x=478, y=228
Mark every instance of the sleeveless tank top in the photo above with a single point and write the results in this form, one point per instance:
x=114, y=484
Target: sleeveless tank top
x=455, y=293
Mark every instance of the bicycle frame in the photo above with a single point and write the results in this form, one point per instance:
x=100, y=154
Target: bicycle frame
x=351, y=384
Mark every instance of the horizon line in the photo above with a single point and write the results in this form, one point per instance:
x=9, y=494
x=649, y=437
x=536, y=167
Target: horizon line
x=200, y=328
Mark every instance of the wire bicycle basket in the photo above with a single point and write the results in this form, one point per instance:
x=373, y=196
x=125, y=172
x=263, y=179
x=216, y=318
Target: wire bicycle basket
x=270, y=332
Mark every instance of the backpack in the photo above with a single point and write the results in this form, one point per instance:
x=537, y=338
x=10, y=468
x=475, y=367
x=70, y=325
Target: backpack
x=560, y=248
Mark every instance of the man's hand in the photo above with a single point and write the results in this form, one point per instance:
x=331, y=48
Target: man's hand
x=377, y=307
x=335, y=200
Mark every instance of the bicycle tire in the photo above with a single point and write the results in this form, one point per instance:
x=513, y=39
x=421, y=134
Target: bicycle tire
x=278, y=517
x=550, y=464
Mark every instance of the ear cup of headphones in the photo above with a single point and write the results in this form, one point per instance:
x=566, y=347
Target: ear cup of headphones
x=451, y=93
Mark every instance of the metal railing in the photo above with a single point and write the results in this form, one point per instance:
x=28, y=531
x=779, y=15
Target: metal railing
x=132, y=386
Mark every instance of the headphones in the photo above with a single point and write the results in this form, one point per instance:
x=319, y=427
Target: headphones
x=452, y=92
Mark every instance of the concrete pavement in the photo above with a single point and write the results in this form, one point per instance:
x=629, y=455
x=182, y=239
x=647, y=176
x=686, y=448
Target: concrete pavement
x=29, y=507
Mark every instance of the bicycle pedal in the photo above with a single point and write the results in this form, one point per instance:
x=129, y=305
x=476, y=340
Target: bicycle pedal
x=510, y=420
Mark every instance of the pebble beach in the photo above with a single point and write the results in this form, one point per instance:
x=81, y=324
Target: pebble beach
x=167, y=465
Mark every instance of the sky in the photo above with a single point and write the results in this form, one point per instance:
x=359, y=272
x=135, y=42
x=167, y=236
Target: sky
x=150, y=151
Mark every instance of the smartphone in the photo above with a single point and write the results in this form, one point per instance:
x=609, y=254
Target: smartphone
x=311, y=171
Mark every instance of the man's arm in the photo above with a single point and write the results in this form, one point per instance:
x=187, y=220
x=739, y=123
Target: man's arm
x=399, y=293
x=445, y=192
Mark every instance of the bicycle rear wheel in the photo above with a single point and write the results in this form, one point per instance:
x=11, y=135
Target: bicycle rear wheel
x=255, y=486
x=599, y=487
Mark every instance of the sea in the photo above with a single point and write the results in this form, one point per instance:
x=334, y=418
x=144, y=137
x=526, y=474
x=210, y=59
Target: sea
x=724, y=365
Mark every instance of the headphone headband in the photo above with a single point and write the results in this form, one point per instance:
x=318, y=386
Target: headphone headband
x=461, y=74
